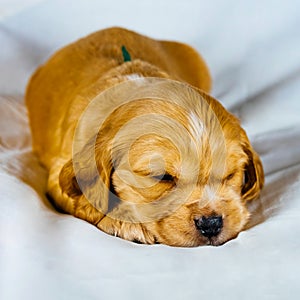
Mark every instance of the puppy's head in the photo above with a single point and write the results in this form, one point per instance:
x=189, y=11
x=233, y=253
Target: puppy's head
x=172, y=172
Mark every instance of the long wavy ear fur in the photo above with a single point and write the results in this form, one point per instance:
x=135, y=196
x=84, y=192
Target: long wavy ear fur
x=253, y=175
x=68, y=182
x=86, y=183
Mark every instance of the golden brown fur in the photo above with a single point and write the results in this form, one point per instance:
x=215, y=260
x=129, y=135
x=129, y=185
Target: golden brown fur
x=205, y=177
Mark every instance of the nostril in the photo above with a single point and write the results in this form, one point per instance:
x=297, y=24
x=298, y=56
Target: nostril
x=209, y=226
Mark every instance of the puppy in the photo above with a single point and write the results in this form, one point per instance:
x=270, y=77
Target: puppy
x=135, y=145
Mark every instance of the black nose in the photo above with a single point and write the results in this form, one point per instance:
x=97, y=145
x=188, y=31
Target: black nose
x=210, y=226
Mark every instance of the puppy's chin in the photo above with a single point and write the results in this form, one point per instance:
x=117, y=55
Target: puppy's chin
x=177, y=230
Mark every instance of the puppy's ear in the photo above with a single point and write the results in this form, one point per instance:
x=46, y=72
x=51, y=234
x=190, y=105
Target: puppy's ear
x=253, y=175
x=68, y=182
x=87, y=176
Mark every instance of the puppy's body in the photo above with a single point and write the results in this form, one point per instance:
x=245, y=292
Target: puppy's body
x=61, y=90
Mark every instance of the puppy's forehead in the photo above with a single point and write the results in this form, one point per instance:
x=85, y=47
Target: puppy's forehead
x=177, y=132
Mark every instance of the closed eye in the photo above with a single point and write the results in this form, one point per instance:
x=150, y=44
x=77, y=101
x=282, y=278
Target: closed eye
x=229, y=177
x=164, y=177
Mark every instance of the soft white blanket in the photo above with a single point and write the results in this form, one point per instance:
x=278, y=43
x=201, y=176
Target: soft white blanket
x=253, y=50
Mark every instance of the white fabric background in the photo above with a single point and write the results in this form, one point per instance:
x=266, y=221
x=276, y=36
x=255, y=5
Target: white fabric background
x=253, y=51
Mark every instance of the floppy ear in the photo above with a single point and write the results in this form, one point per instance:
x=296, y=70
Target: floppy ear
x=187, y=64
x=253, y=175
x=68, y=182
x=86, y=177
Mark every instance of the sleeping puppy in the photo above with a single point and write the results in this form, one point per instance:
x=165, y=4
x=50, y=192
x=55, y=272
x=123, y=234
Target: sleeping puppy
x=135, y=145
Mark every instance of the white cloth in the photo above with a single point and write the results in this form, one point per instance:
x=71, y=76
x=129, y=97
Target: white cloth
x=253, y=51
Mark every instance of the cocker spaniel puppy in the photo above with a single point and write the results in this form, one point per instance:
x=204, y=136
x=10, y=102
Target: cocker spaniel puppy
x=135, y=145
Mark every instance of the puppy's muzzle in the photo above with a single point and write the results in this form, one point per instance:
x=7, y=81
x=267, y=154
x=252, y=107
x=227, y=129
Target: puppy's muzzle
x=209, y=226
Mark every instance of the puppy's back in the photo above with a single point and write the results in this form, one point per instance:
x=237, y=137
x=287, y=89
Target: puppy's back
x=59, y=90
